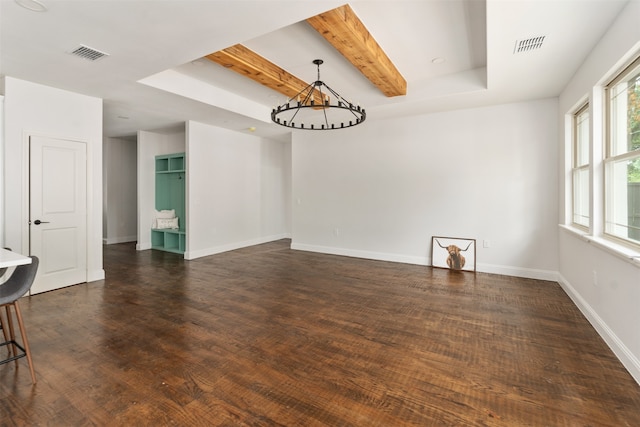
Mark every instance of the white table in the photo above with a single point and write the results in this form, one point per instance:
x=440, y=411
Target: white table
x=11, y=259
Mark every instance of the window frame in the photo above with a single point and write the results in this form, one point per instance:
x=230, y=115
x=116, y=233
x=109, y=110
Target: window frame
x=611, y=159
x=578, y=168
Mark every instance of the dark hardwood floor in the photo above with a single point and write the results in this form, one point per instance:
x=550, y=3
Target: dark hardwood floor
x=267, y=336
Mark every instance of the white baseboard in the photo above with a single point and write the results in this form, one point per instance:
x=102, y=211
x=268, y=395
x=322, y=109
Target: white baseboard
x=622, y=352
x=93, y=275
x=143, y=246
x=114, y=240
x=407, y=259
x=189, y=255
x=528, y=273
x=378, y=256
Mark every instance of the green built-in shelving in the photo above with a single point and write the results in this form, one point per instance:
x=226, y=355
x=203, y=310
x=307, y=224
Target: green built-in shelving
x=170, y=194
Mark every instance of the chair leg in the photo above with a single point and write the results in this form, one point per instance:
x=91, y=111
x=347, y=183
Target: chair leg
x=12, y=335
x=4, y=332
x=25, y=342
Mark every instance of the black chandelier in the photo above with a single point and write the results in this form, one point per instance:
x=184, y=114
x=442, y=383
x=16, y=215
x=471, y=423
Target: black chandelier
x=312, y=109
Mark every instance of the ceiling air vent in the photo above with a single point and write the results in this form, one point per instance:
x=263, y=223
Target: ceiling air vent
x=528, y=45
x=89, y=53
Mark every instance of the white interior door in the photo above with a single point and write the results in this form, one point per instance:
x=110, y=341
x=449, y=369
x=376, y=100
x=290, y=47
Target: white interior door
x=58, y=211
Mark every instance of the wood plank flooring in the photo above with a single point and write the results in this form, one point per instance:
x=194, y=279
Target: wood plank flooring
x=267, y=336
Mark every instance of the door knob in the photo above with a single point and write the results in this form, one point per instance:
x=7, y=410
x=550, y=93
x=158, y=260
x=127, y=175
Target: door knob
x=38, y=222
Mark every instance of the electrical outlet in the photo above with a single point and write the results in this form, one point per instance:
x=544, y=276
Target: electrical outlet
x=486, y=243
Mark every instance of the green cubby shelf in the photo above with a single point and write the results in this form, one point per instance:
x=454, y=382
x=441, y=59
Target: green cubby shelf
x=170, y=194
x=169, y=240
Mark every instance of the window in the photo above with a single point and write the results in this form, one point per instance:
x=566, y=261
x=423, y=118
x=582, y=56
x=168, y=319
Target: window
x=622, y=162
x=580, y=168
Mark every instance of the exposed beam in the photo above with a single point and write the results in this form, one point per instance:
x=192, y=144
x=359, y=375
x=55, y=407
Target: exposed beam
x=249, y=64
x=348, y=35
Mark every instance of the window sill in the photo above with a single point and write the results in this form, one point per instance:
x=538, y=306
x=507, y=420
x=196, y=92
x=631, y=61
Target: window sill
x=630, y=255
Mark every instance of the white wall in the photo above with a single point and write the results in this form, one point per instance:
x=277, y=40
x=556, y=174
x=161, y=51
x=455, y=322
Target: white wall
x=120, y=219
x=151, y=144
x=2, y=204
x=383, y=189
x=33, y=109
x=610, y=299
x=238, y=190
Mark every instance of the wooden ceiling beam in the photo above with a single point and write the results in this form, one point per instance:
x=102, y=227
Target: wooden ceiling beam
x=347, y=34
x=246, y=62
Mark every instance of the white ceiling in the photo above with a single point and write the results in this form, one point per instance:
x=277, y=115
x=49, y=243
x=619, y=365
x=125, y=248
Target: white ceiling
x=155, y=78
